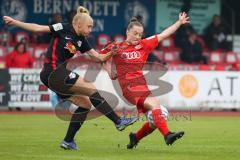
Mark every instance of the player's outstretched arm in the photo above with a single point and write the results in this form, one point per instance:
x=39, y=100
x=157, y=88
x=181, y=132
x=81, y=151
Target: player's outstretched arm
x=103, y=57
x=100, y=57
x=183, y=19
x=26, y=26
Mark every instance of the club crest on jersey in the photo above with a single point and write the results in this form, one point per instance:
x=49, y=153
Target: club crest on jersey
x=79, y=43
x=69, y=46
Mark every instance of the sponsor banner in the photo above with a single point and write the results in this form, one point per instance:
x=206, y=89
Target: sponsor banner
x=201, y=12
x=4, y=78
x=204, y=89
x=26, y=89
x=110, y=17
x=191, y=89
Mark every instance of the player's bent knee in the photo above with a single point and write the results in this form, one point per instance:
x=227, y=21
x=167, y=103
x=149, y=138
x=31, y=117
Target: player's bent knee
x=87, y=86
x=152, y=102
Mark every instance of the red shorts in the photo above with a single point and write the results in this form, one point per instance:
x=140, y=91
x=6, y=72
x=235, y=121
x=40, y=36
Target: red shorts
x=137, y=96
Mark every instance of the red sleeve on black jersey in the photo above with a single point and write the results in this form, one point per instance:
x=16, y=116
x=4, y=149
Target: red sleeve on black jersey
x=151, y=42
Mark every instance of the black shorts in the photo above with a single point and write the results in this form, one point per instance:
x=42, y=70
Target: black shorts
x=59, y=81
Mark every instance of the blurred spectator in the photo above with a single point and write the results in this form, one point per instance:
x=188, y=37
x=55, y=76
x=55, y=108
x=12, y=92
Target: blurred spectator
x=70, y=16
x=192, y=50
x=56, y=18
x=182, y=35
x=19, y=57
x=186, y=6
x=39, y=62
x=152, y=58
x=215, y=35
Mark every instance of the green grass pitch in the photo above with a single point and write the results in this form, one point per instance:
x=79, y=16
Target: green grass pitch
x=37, y=137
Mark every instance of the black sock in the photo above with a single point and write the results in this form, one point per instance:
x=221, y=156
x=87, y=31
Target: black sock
x=102, y=106
x=76, y=122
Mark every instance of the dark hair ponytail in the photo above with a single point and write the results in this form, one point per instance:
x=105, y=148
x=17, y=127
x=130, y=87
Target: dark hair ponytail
x=135, y=21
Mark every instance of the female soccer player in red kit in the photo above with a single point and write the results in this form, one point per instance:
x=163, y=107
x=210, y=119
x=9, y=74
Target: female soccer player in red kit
x=129, y=60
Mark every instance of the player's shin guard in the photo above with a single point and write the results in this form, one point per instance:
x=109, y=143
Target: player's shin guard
x=160, y=121
x=144, y=131
x=102, y=106
x=78, y=117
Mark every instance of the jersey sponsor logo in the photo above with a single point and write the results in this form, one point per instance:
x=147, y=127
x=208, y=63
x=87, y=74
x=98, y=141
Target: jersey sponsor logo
x=79, y=43
x=69, y=46
x=57, y=26
x=131, y=55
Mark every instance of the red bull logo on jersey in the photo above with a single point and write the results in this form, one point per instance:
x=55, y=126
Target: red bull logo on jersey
x=69, y=46
x=131, y=55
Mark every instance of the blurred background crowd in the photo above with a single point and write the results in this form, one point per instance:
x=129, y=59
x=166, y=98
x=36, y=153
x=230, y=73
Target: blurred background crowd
x=215, y=47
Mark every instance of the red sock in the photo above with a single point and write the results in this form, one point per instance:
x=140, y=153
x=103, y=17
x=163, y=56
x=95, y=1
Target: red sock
x=144, y=131
x=159, y=121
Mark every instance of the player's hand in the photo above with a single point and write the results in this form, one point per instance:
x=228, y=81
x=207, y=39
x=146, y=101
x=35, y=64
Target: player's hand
x=114, y=49
x=8, y=20
x=183, y=18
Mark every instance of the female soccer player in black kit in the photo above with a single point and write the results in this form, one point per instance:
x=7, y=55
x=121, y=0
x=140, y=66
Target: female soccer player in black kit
x=67, y=40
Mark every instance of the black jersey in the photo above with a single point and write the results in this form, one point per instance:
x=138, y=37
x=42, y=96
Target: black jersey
x=65, y=43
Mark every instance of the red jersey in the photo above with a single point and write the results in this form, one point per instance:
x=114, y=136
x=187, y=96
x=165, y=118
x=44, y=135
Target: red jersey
x=129, y=62
x=130, y=59
x=17, y=60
